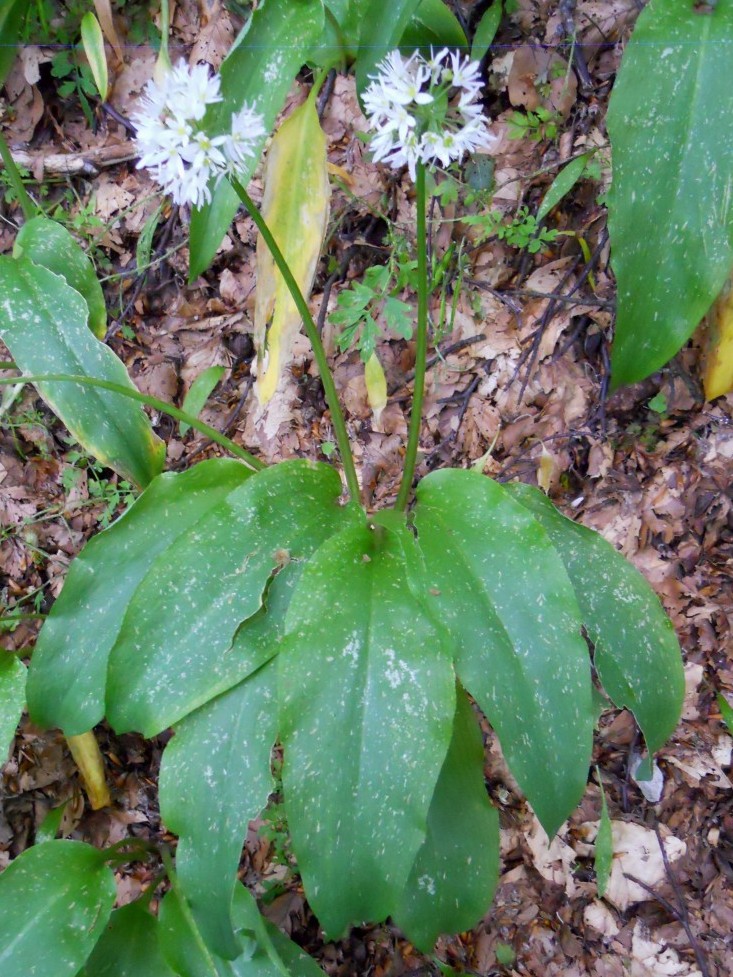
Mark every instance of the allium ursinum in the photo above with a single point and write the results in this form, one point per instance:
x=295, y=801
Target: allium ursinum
x=425, y=110
x=182, y=157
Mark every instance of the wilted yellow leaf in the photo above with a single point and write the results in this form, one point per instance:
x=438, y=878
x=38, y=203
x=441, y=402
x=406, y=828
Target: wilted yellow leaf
x=376, y=384
x=295, y=205
x=718, y=372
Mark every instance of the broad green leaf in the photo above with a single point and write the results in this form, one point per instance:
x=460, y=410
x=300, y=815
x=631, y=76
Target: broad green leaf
x=129, y=947
x=452, y=882
x=637, y=654
x=670, y=205
x=11, y=19
x=382, y=25
x=12, y=699
x=604, y=847
x=562, y=184
x=48, y=243
x=486, y=30
x=44, y=325
x=433, y=25
x=258, y=70
x=367, y=704
x=199, y=392
x=173, y=651
x=503, y=593
x=214, y=779
x=295, y=205
x=273, y=954
x=67, y=676
x=55, y=900
x=92, y=40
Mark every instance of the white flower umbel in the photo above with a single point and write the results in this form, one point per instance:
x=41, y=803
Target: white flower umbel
x=182, y=157
x=425, y=111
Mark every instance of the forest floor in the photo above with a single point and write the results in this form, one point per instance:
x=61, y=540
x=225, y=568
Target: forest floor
x=520, y=389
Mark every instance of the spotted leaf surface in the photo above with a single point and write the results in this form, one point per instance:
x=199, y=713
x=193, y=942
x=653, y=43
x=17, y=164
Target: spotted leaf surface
x=68, y=674
x=174, y=650
x=671, y=203
x=637, y=653
x=43, y=322
x=367, y=704
x=214, y=779
x=506, y=599
x=12, y=699
x=452, y=881
x=48, y=243
x=55, y=900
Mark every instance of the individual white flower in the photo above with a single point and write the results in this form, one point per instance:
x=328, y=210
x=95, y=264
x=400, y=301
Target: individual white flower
x=425, y=111
x=181, y=155
x=247, y=128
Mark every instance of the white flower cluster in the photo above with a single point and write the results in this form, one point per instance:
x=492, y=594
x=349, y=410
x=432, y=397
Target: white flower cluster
x=182, y=157
x=425, y=110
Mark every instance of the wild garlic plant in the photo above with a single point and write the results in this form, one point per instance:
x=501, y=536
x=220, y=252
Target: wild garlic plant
x=246, y=606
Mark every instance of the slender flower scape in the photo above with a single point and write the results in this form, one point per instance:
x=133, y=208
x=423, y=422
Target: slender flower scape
x=182, y=157
x=425, y=110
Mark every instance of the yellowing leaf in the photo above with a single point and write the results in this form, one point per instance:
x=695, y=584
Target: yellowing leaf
x=295, y=205
x=93, y=41
x=718, y=373
x=376, y=384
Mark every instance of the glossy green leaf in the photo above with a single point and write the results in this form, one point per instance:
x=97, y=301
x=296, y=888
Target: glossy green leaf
x=562, y=184
x=51, y=824
x=486, y=30
x=452, y=882
x=129, y=946
x=67, y=676
x=44, y=325
x=332, y=47
x=199, y=392
x=670, y=205
x=172, y=653
x=92, y=40
x=49, y=244
x=637, y=654
x=272, y=955
x=214, y=779
x=367, y=704
x=12, y=699
x=258, y=70
x=55, y=900
x=433, y=25
x=504, y=595
x=382, y=26
x=11, y=20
